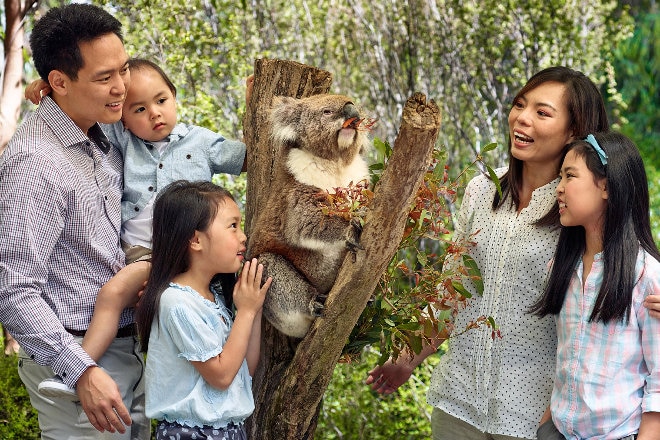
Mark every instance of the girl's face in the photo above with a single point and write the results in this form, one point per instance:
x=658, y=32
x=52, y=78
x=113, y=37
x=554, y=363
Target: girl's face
x=150, y=107
x=223, y=243
x=582, y=199
x=539, y=125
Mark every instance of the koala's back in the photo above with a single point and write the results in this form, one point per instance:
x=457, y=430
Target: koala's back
x=288, y=227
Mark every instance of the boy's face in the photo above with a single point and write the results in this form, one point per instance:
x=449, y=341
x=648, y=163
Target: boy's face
x=150, y=107
x=99, y=92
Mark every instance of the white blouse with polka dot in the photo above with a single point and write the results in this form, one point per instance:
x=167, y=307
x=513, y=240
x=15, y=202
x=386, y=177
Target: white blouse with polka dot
x=502, y=386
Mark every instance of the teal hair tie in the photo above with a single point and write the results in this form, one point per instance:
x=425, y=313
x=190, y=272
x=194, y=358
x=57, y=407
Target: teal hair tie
x=594, y=143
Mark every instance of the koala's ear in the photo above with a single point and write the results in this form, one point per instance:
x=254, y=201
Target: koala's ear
x=280, y=102
x=284, y=115
x=283, y=105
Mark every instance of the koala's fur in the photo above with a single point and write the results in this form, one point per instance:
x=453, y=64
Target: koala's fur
x=300, y=247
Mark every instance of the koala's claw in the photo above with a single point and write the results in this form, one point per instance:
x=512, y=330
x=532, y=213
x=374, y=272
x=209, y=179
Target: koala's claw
x=353, y=236
x=316, y=308
x=354, y=246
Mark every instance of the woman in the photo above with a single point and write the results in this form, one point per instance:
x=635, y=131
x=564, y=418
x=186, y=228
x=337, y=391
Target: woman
x=488, y=388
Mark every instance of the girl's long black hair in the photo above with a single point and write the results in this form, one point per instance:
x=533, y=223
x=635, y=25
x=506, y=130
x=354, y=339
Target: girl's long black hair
x=180, y=209
x=626, y=228
x=587, y=115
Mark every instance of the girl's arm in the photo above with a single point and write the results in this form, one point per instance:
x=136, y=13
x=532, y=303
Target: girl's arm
x=649, y=429
x=547, y=415
x=119, y=292
x=220, y=370
x=254, y=344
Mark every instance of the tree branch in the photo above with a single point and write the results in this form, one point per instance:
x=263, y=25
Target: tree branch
x=310, y=371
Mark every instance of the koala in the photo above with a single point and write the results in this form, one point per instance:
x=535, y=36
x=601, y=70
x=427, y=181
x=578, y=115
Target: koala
x=319, y=148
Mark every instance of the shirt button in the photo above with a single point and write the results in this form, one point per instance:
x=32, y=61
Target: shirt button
x=136, y=209
x=151, y=188
x=188, y=156
x=160, y=165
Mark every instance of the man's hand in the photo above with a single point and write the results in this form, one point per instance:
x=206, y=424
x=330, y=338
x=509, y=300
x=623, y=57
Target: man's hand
x=101, y=401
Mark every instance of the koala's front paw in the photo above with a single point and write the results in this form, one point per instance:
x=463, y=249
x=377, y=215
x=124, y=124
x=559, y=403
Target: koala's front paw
x=353, y=233
x=316, y=308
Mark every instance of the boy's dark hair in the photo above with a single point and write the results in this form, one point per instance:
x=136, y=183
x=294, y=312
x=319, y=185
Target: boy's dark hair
x=142, y=64
x=626, y=228
x=181, y=208
x=56, y=37
x=587, y=115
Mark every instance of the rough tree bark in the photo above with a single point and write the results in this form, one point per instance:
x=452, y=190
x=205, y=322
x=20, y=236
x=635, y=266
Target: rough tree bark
x=294, y=374
x=11, y=91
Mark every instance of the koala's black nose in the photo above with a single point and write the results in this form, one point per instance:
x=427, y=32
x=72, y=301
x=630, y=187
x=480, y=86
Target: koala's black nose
x=350, y=111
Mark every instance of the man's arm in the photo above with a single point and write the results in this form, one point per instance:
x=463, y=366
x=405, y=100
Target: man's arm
x=31, y=214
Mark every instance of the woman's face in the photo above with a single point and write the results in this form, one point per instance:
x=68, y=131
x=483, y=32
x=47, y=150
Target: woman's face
x=539, y=125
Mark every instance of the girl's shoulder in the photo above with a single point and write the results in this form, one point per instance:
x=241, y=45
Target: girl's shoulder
x=178, y=296
x=648, y=266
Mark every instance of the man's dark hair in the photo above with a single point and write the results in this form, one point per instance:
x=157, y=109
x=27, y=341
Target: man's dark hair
x=56, y=37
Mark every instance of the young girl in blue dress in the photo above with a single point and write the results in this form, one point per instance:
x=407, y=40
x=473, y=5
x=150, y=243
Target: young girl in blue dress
x=201, y=356
x=607, y=383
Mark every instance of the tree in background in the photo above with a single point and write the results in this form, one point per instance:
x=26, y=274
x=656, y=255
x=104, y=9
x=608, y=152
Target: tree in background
x=637, y=68
x=11, y=86
x=470, y=56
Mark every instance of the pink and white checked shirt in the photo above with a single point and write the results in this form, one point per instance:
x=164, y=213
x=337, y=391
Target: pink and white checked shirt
x=607, y=374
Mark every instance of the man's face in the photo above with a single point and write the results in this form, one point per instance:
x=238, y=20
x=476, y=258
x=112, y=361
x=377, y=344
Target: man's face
x=99, y=92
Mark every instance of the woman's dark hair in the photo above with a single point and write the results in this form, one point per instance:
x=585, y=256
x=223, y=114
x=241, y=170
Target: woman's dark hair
x=135, y=64
x=587, y=115
x=56, y=37
x=180, y=209
x=626, y=228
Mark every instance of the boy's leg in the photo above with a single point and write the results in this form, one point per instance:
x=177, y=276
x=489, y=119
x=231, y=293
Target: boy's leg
x=135, y=253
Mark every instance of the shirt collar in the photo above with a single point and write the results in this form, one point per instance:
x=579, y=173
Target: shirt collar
x=68, y=133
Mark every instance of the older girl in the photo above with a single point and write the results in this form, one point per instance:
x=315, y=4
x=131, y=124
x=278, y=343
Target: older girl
x=607, y=383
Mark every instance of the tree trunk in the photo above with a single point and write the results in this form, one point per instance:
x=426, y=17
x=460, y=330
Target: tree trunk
x=294, y=374
x=12, y=85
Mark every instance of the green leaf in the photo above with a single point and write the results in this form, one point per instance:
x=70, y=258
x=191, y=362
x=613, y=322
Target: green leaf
x=474, y=273
x=416, y=343
x=495, y=180
x=412, y=326
x=422, y=258
x=489, y=147
x=460, y=289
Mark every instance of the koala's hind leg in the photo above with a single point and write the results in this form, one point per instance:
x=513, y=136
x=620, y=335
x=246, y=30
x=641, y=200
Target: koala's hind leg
x=292, y=302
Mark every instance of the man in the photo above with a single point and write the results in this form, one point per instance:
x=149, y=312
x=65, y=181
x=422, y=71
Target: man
x=60, y=193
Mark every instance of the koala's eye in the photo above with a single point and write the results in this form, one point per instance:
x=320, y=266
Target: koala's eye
x=328, y=111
